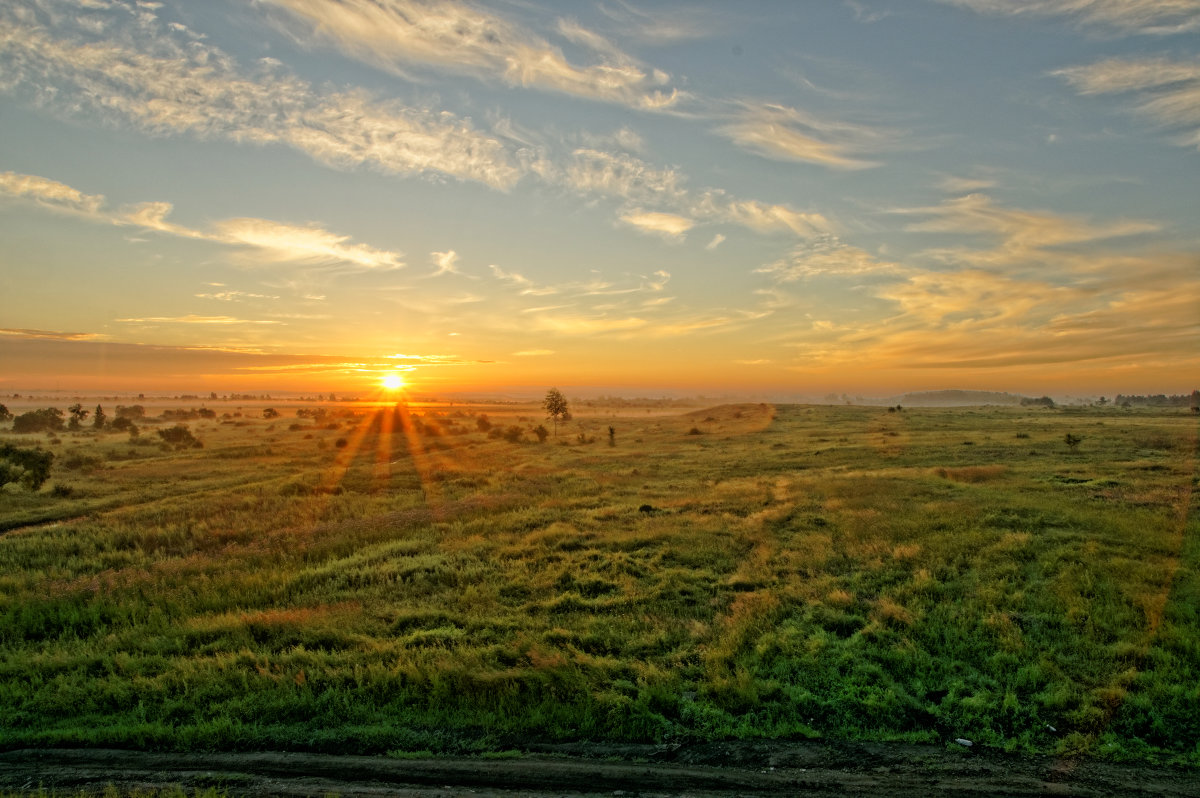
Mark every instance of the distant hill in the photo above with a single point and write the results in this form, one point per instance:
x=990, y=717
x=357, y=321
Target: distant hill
x=951, y=398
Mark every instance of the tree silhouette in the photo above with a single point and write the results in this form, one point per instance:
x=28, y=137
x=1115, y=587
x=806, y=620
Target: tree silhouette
x=556, y=407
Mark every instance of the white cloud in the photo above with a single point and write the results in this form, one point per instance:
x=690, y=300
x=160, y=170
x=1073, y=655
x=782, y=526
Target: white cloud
x=49, y=194
x=271, y=242
x=716, y=242
x=668, y=225
x=445, y=262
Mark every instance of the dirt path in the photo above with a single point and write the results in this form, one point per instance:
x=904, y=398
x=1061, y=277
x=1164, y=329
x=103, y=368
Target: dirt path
x=760, y=769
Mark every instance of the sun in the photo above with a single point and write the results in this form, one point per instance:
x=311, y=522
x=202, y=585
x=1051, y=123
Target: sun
x=392, y=382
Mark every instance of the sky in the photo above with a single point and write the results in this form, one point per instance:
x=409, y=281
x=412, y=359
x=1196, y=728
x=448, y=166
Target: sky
x=761, y=198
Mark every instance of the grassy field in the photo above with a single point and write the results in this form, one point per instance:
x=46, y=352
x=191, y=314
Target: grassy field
x=405, y=581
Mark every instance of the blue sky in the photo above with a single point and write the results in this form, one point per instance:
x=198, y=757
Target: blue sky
x=775, y=197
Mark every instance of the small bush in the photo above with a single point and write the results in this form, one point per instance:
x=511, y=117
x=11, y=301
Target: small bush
x=180, y=437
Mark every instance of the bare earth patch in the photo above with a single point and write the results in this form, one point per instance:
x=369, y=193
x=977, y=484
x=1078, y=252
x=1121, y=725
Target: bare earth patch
x=742, y=768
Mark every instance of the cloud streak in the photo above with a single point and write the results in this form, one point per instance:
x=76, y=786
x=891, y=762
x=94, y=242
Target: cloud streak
x=669, y=225
x=1151, y=17
x=786, y=134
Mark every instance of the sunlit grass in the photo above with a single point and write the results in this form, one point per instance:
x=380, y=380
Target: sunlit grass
x=800, y=572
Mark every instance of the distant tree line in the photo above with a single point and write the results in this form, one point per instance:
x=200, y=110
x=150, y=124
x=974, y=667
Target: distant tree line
x=1159, y=400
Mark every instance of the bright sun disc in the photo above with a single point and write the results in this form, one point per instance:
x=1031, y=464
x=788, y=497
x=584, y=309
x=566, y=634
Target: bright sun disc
x=392, y=382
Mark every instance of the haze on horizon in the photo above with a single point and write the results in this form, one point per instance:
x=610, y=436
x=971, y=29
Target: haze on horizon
x=792, y=198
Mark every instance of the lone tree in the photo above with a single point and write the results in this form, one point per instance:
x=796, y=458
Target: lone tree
x=78, y=414
x=556, y=407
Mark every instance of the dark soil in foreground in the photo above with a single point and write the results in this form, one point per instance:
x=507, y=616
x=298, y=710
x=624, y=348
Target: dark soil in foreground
x=759, y=768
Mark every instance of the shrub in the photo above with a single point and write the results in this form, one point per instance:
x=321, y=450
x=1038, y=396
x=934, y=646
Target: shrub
x=48, y=418
x=180, y=437
x=125, y=424
x=133, y=412
x=29, y=467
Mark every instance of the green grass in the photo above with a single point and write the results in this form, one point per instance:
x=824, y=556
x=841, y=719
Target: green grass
x=805, y=572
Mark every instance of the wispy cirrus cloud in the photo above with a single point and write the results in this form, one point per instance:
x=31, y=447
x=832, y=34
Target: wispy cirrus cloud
x=1022, y=237
x=1029, y=288
x=646, y=189
x=166, y=84
x=1153, y=17
x=1166, y=91
x=828, y=256
x=401, y=34
x=267, y=242
x=165, y=80
x=781, y=133
x=305, y=244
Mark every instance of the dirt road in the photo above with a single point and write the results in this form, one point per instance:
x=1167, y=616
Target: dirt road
x=759, y=769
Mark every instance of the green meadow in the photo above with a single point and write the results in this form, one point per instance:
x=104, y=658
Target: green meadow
x=408, y=581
